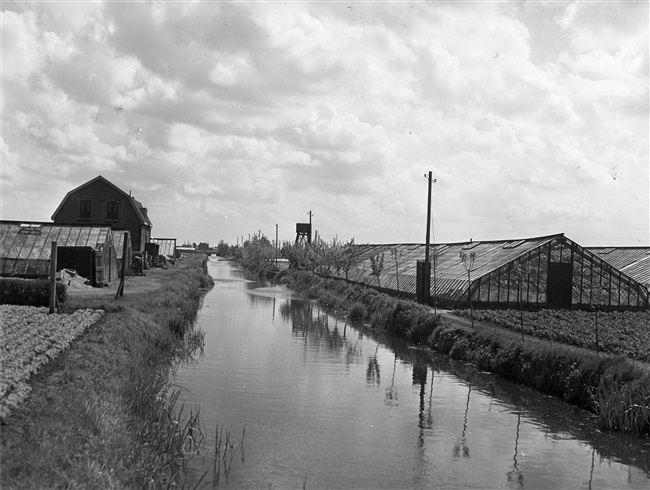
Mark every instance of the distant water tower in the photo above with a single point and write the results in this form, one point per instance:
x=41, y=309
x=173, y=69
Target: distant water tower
x=303, y=232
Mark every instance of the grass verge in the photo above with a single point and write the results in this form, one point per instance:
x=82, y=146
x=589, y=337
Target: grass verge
x=102, y=414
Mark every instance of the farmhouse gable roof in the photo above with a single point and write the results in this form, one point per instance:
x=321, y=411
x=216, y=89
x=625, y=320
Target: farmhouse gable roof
x=140, y=210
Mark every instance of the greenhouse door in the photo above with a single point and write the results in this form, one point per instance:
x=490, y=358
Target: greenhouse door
x=559, y=285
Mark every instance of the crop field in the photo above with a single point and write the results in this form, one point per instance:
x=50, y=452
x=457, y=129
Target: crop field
x=30, y=338
x=625, y=332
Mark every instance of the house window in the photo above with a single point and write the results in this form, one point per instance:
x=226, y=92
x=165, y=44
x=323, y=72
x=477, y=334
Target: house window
x=112, y=211
x=85, y=208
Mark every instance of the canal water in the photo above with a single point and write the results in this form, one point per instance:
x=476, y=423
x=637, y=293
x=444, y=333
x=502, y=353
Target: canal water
x=311, y=402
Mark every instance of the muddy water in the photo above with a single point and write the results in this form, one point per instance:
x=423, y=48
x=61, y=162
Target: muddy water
x=325, y=405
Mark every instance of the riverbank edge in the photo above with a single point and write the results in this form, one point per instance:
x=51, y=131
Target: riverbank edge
x=103, y=413
x=613, y=387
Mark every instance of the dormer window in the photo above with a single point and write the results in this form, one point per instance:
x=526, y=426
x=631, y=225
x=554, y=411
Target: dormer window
x=112, y=211
x=85, y=209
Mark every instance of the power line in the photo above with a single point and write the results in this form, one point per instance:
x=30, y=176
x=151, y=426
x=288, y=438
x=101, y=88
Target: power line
x=361, y=210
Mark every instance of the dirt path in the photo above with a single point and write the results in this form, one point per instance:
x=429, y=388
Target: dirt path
x=151, y=281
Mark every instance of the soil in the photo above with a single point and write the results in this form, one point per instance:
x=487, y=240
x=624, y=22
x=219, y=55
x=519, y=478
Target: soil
x=150, y=281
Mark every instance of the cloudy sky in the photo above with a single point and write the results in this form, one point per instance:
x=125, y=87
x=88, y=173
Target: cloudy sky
x=225, y=118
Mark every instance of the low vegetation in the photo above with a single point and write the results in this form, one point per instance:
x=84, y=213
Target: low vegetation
x=29, y=292
x=614, y=387
x=359, y=304
x=102, y=414
x=626, y=332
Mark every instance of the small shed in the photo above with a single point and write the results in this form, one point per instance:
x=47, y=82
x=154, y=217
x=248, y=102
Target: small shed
x=26, y=249
x=167, y=246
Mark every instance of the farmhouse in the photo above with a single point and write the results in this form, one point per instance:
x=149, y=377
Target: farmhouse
x=99, y=202
x=26, y=249
x=540, y=272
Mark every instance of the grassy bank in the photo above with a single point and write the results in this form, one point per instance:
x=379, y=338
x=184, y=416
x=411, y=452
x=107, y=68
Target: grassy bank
x=102, y=414
x=384, y=313
x=614, y=387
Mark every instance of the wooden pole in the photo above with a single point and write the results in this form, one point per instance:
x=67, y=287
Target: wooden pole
x=53, y=278
x=428, y=242
x=276, y=244
x=120, y=288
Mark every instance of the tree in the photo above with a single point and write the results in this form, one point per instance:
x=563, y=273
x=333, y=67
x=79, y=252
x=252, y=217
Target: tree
x=350, y=256
x=223, y=250
x=520, y=272
x=601, y=295
x=468, y=260
x=396, y=253
x=377, y=264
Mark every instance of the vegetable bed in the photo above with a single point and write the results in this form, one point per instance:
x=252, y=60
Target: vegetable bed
x=626, y=332
x=30, y=338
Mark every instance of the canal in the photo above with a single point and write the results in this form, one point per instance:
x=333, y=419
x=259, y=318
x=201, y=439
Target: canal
x=311, y=402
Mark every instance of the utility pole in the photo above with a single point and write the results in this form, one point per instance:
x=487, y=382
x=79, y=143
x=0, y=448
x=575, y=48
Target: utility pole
x=276, y=244
x=423, y=273
x=428, y=242
x=310, y=228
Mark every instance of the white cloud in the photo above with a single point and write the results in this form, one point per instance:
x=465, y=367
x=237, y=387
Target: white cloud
x=266, y=111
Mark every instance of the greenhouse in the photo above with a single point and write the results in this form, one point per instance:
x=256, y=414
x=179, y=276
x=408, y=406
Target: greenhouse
x=542, y=272
x=26, y=249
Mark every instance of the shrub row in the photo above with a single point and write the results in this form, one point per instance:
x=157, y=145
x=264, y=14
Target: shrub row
x=384, y=313
x=29, y=292
x=614, y=387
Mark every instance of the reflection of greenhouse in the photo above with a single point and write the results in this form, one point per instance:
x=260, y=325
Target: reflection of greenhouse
x=550, y=272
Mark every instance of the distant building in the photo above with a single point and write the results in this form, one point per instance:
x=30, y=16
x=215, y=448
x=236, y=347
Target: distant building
x=100, y=202
x=167, y=246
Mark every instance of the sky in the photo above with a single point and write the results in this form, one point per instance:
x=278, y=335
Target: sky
x=226, y=119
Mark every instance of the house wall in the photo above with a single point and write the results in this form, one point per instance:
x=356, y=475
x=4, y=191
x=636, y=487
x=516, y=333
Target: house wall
x=100, y=195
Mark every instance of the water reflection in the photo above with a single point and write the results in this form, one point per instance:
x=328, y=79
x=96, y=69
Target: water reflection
x=310, y=323
x=373, y=373
x=461, y=444
x=515, y=477
x=391, y=398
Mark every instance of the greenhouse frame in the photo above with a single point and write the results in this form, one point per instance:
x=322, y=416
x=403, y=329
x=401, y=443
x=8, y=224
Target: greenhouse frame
x=542, y=272
x=26, y=249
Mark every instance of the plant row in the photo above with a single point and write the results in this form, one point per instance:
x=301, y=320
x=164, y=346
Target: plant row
x=626, y=332
x=31, y=338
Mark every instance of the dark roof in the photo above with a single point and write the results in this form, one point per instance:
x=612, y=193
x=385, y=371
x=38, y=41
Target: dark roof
x=140, y=210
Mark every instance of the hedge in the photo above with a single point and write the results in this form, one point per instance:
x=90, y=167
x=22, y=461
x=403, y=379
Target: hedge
x=29, y=292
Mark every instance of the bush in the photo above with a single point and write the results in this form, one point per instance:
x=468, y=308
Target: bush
x=357, y=312
x=423, y=327
x=29, y=292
